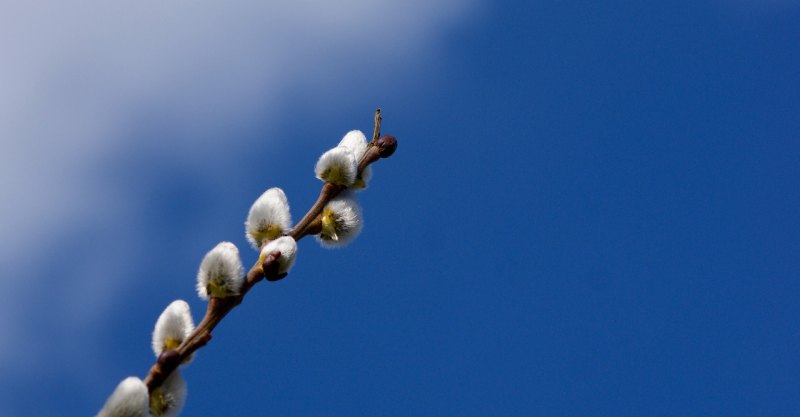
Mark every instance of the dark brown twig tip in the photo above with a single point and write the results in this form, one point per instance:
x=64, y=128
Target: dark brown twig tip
x=387, y=145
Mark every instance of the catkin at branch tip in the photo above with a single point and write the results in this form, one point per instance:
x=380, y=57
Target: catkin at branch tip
x=337, y=166
x=357, y=143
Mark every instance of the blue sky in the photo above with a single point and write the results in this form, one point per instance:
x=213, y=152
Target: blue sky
x=592, y=209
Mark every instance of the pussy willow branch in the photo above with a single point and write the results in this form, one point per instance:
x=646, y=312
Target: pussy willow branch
x=218, y=308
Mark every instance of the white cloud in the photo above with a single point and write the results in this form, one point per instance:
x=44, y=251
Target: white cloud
x=79, y=77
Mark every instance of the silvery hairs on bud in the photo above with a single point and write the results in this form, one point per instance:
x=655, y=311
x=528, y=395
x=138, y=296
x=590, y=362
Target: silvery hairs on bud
x=341, y=221
x=338, y=166
x=221, y=272
x=168, y=399
x=357, y=143
x=173, y=326
x=269, y=218
x=288, y=249
x=129, y=399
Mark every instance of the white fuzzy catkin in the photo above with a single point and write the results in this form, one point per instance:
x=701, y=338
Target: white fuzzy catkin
x=168, y=399
x=173, y=326
x=129, y=399
x=357, y=143
x=269, y=218
x=341, y=221
x=288, y=248
x=338, y=166
x=221, y=273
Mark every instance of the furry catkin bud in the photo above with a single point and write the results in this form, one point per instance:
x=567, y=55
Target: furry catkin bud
x=173, y=326
x=288, y=249
x=337, y=166
x=341, y=221
x=221, y=273
x=269, y=218
x=168, y=399
x=129, y=399
x=357, y=143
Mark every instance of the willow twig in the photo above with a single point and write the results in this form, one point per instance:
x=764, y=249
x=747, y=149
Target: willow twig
x=218, y=308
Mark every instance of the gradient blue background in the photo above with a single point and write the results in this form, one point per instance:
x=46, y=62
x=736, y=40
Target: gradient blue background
x=593, y=210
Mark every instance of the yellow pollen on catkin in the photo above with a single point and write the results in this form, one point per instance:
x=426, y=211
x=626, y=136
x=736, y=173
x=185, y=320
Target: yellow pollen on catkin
x=271, y=232
x=215, y=290
x=334, y=175
x=329, y=225
x=159, y=403
x=171, y=343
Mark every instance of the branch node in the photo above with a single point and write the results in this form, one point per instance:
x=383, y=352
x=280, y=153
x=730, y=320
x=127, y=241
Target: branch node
x=169, y=359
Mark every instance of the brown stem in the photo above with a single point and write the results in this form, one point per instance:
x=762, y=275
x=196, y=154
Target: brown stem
x=328, y=192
